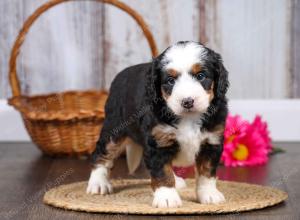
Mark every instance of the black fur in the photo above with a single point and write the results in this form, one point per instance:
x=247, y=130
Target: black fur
x=135, y=105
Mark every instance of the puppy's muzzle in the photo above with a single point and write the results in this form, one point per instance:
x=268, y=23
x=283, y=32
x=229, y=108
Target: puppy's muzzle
x=187, y=103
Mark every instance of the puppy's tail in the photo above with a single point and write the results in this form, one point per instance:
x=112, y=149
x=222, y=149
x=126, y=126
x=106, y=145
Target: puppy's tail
x=134, y=155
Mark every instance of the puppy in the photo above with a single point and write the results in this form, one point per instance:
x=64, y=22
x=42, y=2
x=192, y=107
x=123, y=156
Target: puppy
x=173, y=112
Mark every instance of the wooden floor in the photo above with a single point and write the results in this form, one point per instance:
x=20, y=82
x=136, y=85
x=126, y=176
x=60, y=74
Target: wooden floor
x=26, y=175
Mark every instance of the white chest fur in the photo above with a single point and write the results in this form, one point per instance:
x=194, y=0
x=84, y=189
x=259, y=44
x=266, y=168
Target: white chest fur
x=189, y=137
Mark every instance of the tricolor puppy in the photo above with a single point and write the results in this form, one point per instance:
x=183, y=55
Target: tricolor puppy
x=170, y=112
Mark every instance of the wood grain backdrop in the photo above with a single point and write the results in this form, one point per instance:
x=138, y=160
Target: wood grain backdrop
x=83, y=44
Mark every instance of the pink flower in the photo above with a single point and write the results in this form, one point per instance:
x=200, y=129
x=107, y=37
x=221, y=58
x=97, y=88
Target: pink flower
x=245, y=144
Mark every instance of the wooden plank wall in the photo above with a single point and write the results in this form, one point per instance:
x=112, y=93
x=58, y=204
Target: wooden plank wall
x=254, y=39
x=61, y=51
x=295, y=49
x=167, y=20
x=84, y=44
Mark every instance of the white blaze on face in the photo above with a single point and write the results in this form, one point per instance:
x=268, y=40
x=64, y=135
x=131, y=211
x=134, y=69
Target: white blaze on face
x=186, y=87
x=181, y=58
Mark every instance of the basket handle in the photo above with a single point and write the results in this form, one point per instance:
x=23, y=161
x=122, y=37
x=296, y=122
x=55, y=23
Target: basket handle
x=13, y=77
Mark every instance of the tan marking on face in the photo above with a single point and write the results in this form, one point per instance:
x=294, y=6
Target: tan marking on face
x=164, y=94
x=196, y=68
x=166, y=180
x=164, y=135
x=173, y=73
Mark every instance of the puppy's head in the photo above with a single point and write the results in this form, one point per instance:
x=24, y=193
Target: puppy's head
x=189, y=76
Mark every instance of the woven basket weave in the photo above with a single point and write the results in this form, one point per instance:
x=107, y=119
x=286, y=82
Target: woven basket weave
x=66, y=123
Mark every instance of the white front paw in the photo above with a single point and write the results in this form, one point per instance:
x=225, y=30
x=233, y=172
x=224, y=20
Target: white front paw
x=98, y=182
x=166, y=197
x=207, y=192
x=210, y=196
x=99, y=187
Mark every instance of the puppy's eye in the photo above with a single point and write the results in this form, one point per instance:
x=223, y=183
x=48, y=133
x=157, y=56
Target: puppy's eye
x=170, y=80
x=201, y=76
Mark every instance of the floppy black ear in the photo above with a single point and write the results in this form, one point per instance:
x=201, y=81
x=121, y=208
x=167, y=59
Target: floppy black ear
x=221, y=79
x=153, y=82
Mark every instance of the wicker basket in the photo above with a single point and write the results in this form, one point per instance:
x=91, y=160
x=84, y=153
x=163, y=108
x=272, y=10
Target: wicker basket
x=66, y=123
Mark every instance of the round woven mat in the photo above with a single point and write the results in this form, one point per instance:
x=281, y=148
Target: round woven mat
x=135, y=197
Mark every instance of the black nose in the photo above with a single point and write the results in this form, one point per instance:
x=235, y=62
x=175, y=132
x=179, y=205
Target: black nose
x=187, y=103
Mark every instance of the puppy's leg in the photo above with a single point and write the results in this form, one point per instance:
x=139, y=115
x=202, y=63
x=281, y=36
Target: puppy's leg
x=163, y=185
x=207, y=161
x=158, y=161
x=159, y=151
x=103, y=157
x=165, y=138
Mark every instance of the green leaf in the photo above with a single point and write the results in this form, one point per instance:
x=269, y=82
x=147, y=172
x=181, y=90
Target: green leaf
x=276, y=150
